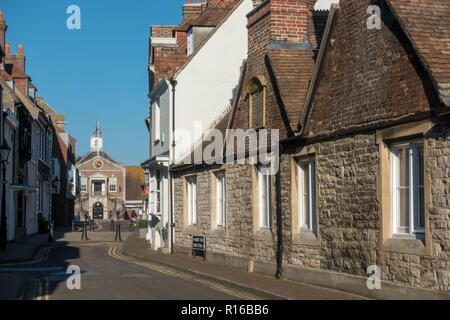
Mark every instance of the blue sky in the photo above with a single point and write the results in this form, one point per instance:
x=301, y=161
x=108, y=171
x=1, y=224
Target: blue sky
x=98, y=73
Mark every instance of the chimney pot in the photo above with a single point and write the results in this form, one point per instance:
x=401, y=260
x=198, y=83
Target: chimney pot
x=1, y=15
x=7, y=48
x=188, y=1
x=197, y=1
x=20, y=49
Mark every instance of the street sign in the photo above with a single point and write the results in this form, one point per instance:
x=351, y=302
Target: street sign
x=199, y=246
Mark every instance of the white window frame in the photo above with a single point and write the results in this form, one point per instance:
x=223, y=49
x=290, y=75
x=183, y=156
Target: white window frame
x=264, y=198
x=158, y=189
x=157, y=120
x=310, y=190
x=113, y=184
x=412, y=230
x=221, y=211
x=83, y=187
x=190, y=42
x=192, y=201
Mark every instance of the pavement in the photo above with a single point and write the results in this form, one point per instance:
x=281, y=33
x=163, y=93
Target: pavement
x=252, y=283
x=12, y=287
x=23, y=250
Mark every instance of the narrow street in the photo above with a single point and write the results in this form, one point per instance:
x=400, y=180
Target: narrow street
x=108, y=275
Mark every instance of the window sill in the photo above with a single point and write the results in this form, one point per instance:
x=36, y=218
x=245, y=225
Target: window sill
x=264, y=234
x=191, y=229
x=219, y=232
x=404, y=245
x=306, y=238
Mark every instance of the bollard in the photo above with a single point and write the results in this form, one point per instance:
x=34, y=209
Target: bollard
x=51, y=234
x=84, y=233
x=118, y=235
x=112, y=226
x=93, y=225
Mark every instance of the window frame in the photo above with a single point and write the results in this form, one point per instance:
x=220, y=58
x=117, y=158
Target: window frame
x=412, y=230
x=157, y=120
x=264, y=182
x=221, y=208
x=300, y=164
x=191, y=188
x=384, y=138
x=260, y=82
x=83, y=186
x=111, y=184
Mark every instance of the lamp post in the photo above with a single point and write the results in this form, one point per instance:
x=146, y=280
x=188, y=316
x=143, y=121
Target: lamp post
x=4, y=154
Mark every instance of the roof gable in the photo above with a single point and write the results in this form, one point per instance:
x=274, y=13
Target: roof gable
x=427, y=25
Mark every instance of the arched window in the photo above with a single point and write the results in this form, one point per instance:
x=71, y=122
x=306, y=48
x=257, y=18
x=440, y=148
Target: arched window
x=256, y=90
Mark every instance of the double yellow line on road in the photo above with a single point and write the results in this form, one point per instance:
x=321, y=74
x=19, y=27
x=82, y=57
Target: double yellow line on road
x=113, y=253
x=43, y=289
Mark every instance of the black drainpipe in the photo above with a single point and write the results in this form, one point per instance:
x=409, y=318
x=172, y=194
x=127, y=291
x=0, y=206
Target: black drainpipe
x=173, y=82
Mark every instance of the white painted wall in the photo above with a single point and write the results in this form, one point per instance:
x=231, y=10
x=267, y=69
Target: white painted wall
x=324, y=4
x=205, y=86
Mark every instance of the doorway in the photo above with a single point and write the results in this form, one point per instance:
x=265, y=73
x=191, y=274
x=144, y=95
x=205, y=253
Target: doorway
x=97, y=211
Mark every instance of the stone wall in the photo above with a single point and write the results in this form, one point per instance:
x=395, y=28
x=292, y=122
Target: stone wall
x=237, y=240
x=348, y=210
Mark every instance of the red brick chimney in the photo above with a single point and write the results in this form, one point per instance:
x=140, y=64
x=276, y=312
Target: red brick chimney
x=191, y=11
x=16, y=60
x=277, y=20
x=3, y=28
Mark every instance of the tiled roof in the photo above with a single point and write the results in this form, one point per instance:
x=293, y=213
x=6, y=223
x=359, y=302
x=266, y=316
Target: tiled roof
x=5, y=75
x=209, y=18
x=427, y=23
x=221, y=125
x=292, y=70
x=134, y=179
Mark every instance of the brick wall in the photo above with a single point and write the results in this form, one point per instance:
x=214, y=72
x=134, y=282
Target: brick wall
x=162, y=31
x=167, y=60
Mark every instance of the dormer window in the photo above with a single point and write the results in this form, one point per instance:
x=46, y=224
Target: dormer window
x=256, y=90
x=32, y=93
x=190, y=41
x=11, y=84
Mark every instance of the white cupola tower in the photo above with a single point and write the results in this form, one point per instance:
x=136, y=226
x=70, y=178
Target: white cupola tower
x=97, y=139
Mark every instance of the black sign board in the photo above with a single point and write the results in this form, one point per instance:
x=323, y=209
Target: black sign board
x=199, y=246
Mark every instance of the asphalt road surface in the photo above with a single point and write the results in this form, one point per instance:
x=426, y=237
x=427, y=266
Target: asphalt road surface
x=108, y=275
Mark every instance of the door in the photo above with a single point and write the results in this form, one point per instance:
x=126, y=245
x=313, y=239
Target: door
x=97, y=211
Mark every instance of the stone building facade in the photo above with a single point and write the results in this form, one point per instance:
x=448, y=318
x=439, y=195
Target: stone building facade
x=103, y=183
x=356, y=107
